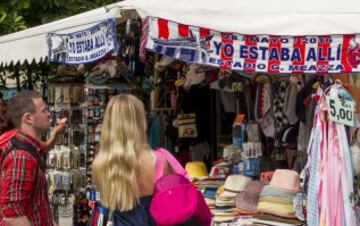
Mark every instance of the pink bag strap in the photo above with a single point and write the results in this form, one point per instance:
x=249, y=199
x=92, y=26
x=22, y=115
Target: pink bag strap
x=163, y=154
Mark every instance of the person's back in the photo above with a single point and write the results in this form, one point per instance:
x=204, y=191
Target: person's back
x=140, y=215
x=145, y=171
x=124, y=168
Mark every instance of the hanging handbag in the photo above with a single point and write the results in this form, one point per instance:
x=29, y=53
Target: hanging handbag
x=187, y=125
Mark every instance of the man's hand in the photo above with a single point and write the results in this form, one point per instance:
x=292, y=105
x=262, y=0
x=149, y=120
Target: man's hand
x=23, y=221
x=60, y=127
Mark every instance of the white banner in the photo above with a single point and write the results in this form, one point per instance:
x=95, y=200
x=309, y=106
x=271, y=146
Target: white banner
x=254, y=53
x=83, y=46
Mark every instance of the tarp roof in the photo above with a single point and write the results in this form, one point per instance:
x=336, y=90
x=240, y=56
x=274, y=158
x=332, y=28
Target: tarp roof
x=277, y=17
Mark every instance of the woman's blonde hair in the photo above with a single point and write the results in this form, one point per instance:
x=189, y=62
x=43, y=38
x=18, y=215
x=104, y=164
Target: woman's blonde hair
x=123, y=135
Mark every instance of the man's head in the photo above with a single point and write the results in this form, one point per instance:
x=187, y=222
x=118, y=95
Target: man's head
x=27, y=110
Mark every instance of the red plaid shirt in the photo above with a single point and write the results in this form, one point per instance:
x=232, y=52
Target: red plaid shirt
x=23, y=185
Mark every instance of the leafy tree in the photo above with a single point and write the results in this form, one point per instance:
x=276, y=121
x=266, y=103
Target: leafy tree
x=17, y=15
x=11, y=19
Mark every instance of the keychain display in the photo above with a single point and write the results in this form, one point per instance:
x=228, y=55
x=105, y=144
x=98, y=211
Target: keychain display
x=73, y=180
x=67, y=160
x=65, y=157
x=60, y=95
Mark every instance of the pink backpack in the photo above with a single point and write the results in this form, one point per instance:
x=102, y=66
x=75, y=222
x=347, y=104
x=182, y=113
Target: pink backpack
x=175, y=199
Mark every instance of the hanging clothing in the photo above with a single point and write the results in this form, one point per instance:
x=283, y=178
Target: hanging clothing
x=279, y=105
x=154, y=128
x=313, y=183
x=291, y=93
x=330, y=179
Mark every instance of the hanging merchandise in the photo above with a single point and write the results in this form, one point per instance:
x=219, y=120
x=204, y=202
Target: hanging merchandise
x=250, y=167
x=281, y=120
x=252, y=132
x=267, y=124
x=238, y=130
x=194, y=76
x=187, y=125
x=329, y=167
x=264, y=113
x=291, y=92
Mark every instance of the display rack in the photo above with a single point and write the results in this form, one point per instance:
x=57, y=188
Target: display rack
x=67, y=160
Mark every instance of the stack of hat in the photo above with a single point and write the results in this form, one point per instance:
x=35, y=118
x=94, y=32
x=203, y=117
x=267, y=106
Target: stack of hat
x=225, y=198
x=197, y=172
x=277, y=197
x=246, y=201
x=208, y=188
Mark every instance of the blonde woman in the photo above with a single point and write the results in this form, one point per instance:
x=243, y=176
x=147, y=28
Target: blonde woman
x=124, y=168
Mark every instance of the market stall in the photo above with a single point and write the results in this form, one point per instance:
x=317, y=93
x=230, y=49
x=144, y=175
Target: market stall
x=277, y=110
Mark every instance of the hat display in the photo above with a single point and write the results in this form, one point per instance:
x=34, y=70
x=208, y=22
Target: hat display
x=277, y=209
x=196, y=169
x=248, y=199
x=269, y=191
x=235, y=184
x=277, y=197
x=286, y=179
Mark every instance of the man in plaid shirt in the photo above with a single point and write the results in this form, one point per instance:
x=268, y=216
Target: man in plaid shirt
x=23, y=187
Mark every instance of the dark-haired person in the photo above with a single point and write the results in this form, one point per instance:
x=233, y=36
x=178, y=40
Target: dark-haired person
x=23, y=186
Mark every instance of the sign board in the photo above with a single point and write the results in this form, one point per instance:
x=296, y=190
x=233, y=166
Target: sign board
x=341, y=111
x=83, y=46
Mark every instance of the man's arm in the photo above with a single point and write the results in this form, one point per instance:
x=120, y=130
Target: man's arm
x=18, y=172
x=23, y=221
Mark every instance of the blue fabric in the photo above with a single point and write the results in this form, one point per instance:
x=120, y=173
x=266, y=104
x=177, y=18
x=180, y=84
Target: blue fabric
x=140, y=215
x=154, y=127
x=238, y=134
x=210, y=193
x=251, y=167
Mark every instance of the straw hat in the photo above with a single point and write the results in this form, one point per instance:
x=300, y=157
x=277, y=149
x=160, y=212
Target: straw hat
x=196, y=169
x=235, y=184
x=286, y=179
x=248, y=199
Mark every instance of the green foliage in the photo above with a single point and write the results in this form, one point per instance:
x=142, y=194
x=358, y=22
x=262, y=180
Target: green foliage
x=17, y=15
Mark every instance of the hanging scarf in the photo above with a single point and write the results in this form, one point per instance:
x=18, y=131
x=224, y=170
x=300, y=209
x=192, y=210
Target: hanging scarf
x=346, y=177
x=330, y=176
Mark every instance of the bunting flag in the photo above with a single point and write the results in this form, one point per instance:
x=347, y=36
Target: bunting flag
x=254, y=53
